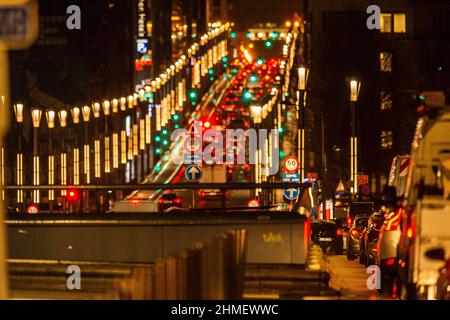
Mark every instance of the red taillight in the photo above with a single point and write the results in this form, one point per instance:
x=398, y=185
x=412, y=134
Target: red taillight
x=134, y=201
x=161, y=201
x=355, y=233
x=410, y=233
x=390, y=261
x=393, y=220
x=177, y=200
x=202, y=193
x=339, y=232
x=349, y=221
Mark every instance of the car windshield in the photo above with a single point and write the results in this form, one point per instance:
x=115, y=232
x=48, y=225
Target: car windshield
x=361, y=222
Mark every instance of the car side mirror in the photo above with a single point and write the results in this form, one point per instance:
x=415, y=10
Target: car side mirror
x=436, y=254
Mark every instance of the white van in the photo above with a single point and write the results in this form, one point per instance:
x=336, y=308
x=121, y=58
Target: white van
x=426, y=218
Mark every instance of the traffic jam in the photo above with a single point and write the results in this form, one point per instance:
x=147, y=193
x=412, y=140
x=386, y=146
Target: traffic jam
x=405, y=232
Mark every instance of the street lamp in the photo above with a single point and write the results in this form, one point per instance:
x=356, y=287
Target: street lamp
x=355, y=86
x=36, y=115
x=18, y=111
x=51, y=117
x=96, y=113
x=62, y=115
x=106, y=111
x=76, y=150
x=303, y=74
x=256, y=112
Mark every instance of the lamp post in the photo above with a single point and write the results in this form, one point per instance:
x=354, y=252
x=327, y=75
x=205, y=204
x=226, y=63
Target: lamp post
x=36, y=115
x=62, y=115
x=106, y=110
x=86, y=113
x=354, y=93
x=303, y=73
x=256, y=111
x=18, y=111
x=51, y=117
x=76, y=112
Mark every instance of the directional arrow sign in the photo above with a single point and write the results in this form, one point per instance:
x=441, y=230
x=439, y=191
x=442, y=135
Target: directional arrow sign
x=291, y=193
x=193, y=173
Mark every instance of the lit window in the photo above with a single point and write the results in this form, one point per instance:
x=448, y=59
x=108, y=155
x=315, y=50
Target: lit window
x=385, y=61
x=386, y=139
x=386, y=23
x=385, y=100
x=399, y=23
x=393, y=22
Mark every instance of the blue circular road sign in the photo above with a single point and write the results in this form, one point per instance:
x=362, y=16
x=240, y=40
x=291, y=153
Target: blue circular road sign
x=193, y=173
x=291, y=193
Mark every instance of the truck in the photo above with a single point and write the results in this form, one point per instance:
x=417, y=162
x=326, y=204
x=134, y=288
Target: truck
x=215, y=173
x=425, y=222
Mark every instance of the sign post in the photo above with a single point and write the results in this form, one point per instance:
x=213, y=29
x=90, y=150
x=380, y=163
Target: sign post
x=18, y=30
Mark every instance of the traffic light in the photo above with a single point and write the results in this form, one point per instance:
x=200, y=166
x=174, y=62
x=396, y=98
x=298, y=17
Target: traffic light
x=157, y=138
x=72, y=195
x=253, y=78
x=224, y=59
x=268, y=44
x=193, y=94
x=233, y=35
x=176, y=117
x=248, y=35
x=246, y=95
x=165, y=132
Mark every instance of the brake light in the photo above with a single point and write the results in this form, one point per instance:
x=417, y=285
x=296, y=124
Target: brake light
x=410, y=233
x=161, y=200
x=339, y=232
x=349, y=221
x=390, y=261
x=393, y=220
x=177, y=200
x=134, y=201
x=338, y=203
x=354, y=233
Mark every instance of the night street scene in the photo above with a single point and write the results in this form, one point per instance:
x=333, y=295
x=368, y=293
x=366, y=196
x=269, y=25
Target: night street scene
x=263, y=153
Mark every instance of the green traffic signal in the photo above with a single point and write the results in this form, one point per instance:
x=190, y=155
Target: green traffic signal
x=268, y=44
x=248, y=35
x=233, y=35
x=165, y=132
x=193, y=94
x=157, y=138
x=253, y=78
x=176, y=117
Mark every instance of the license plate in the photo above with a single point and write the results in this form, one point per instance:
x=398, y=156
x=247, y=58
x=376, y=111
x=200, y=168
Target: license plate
x=325, y=239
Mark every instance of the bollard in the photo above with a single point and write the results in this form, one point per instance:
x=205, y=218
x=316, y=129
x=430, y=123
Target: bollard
x=171, y=278
x=160, y=279
x=194, y=275
x=183, y=274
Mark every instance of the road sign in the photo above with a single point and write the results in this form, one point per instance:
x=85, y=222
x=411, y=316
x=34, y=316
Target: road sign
x=253, y=203
x=18, y=23
x=364, y=189
x=362, y=179
x=312, y=175
x=192, y=158
x=291, y=177
x=291, y=164
x=193, y=173
x=291, y=193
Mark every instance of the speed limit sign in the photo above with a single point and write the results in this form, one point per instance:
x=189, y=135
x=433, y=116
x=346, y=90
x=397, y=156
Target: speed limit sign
x=291, y=164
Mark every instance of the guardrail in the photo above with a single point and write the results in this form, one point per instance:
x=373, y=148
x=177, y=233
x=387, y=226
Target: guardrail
x=213, y=269
x=273, y=236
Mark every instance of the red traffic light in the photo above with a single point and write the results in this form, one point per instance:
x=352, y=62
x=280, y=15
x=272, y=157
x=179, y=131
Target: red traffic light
x=72, y=195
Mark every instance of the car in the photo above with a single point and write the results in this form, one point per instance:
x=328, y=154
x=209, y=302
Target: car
x=369, y=238
x=390, y=233
x=168, y=200
x=328, y=235
x=443, y=280
x=354, y=236
x=425, y=221
x=212, y=194
x=358, y=208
